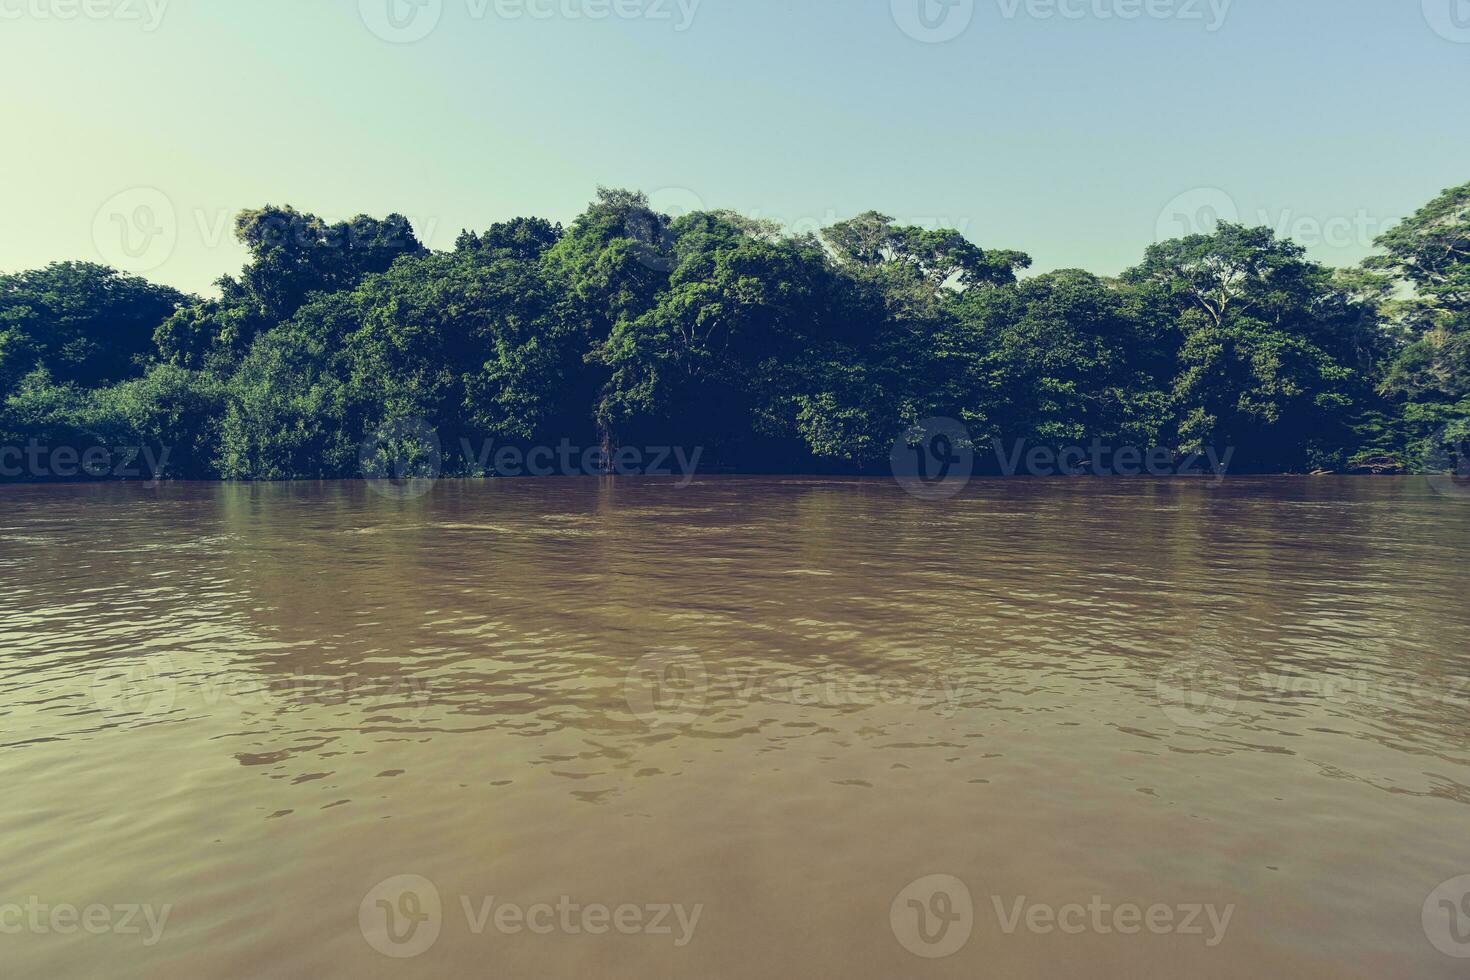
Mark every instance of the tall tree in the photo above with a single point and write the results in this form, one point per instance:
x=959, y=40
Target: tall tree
x=80, y=322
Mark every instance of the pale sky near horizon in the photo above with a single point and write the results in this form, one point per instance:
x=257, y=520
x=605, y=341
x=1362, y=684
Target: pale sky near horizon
x=1076, y=130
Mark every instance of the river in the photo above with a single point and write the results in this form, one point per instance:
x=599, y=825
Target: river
x=745, y=727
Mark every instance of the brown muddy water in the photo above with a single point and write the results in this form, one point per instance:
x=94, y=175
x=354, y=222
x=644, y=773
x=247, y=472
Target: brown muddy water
x=744, y=728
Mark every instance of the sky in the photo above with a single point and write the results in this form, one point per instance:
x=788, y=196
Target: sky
x=1079, y=131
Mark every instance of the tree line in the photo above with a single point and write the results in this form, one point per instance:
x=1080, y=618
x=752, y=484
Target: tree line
x=772, y=352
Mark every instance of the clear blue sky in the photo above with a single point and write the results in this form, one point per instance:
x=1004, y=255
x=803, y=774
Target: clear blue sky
x=1065, y=136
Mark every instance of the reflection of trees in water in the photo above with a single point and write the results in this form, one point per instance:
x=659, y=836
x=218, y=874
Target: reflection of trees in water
x=520, y=607
x=1318, y=610
x=498, y=588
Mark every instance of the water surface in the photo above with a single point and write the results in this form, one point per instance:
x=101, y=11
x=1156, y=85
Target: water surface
x=780, y=701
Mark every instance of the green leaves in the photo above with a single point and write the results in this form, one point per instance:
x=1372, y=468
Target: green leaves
x=82, y=322
x=767, y=350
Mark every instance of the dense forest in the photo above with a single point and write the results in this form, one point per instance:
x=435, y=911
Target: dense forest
x=771, y=352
